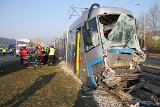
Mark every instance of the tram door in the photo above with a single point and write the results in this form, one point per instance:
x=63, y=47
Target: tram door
x=77, y=51
x=93, y=50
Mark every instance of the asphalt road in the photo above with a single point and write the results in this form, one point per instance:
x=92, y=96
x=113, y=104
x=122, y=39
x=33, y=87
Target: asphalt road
x=4, y=60
x=153, y=60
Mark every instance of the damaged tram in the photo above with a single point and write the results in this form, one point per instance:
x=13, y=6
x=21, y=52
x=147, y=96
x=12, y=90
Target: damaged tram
x=101, y=46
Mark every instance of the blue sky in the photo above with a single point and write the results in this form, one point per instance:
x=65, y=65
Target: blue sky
x=46, y=19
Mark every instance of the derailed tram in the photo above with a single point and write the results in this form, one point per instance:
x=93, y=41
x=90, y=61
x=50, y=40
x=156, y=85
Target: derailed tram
x=102, y=47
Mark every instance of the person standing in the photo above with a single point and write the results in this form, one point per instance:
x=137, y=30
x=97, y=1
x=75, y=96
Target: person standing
x=46, y=55
x=51, y=56
x=4, y=51
x=23, y=52
x=11, y=51
x=39, y=50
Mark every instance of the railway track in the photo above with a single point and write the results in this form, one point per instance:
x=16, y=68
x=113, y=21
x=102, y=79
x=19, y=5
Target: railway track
x=152, y=70
x=149, y=86
x=145, y=94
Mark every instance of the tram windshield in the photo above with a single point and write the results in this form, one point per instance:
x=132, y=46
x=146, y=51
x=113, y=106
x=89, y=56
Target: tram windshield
x=118, y=31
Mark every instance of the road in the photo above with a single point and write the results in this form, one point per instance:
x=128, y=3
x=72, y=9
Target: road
x=4, y=60
x=153, y=60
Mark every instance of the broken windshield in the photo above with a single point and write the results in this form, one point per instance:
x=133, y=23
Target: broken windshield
x=121, y=33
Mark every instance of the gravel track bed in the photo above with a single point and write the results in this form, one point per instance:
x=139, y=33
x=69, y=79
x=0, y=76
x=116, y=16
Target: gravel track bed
x=97, y=98
x=101, y=98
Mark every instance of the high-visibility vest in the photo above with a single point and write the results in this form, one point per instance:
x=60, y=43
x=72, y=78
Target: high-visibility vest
x=11, y=50
x=3, y=50
x=52, y=50
x=39, y=51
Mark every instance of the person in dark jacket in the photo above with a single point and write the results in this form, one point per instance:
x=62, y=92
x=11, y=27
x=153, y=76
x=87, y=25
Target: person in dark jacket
x=46, y=55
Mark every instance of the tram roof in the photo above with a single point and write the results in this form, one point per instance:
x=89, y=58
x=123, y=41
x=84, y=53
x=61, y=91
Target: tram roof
x=99, y=11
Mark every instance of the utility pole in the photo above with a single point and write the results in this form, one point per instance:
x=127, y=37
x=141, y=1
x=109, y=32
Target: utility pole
x=144, y=35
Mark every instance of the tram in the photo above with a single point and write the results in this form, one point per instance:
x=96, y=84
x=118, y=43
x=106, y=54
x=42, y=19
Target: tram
x=102, y=47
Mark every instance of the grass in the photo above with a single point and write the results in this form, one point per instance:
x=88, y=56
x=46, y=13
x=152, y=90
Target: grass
x=46, y=86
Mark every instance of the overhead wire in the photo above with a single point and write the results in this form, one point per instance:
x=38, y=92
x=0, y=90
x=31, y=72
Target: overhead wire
x=71, y=5
x=127, y=3
x=65, y=21
x=70, y=15
x=74, y=11
x=112, y=2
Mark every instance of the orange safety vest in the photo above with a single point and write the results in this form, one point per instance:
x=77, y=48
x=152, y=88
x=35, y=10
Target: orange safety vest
x=39, y=51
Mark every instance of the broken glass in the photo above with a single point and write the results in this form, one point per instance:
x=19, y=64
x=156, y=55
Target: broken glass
x=122, y=34
x=91, y=37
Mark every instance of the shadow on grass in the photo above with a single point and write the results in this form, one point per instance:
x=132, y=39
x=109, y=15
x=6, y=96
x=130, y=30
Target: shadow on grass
x=85, y=98
x=13, y=66
x=37, y=85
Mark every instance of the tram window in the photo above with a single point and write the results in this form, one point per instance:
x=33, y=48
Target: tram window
x=91, y=37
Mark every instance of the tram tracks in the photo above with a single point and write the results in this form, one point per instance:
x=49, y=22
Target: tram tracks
x=146, y=93
x=139, y=95
x=149, y=86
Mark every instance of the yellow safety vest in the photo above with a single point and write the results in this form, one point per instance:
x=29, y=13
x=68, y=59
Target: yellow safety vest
x=52, y=50
x=3, y=50
x=11, y=50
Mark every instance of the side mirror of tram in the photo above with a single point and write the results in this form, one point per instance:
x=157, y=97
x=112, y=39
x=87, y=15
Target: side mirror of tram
x=86, y=25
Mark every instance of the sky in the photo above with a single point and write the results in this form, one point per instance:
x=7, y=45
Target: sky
x=48, y=19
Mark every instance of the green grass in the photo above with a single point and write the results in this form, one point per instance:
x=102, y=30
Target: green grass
x=48, y=86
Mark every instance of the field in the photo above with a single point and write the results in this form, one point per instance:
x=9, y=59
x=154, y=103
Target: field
x=45, y=86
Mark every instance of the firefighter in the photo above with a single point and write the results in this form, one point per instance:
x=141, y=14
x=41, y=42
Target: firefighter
x=51, y=56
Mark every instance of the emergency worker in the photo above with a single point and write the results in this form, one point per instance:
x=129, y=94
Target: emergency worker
x=47, y=49
x=11, y=51
x=51, y=56
x=4, y=51
x=46, y=55
x=23, y=52
x=39, y=50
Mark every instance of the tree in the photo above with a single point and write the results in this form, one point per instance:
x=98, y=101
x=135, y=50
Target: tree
x=151, y=24
x=154, y=19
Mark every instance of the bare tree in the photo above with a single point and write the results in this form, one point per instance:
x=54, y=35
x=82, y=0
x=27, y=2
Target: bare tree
x=154, y=19
x=151, y=24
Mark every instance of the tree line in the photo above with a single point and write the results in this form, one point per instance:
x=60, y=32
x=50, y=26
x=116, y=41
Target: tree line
x=148, y=29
